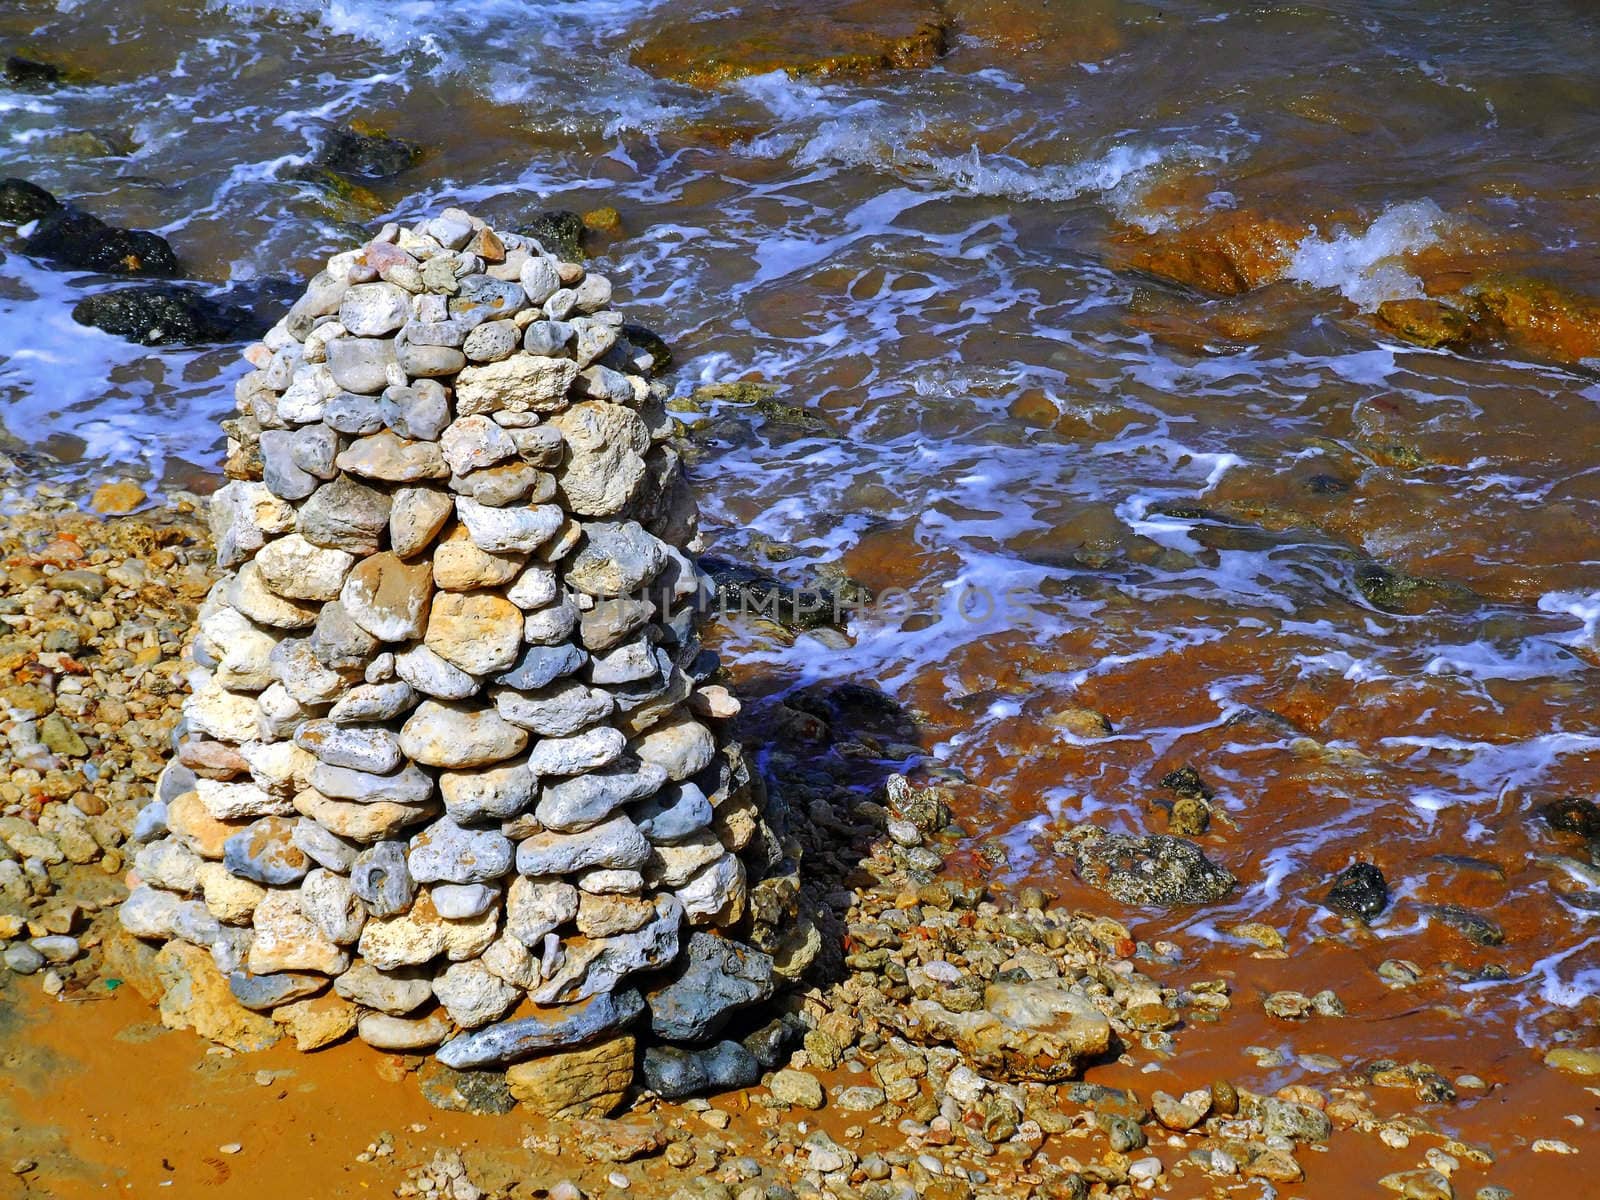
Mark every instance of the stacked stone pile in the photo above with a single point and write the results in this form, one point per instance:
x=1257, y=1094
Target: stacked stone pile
x=452, y=774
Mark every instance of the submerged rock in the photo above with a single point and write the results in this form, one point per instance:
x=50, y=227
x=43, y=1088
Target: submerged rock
x=1228, y=254
x=559, y=231
x=1429, y=323
x=1359, y=890
x=30, y=74
x=831, y=40
x=362, y=151
x=1154, y=870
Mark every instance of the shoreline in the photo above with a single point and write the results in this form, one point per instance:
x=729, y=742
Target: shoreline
x=909, y=903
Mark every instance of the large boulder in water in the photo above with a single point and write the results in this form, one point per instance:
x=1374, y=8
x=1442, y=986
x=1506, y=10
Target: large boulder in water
x=78, y=239
x=830, y=40
x=163, y=315
x=21, y=202
x=1158, y=870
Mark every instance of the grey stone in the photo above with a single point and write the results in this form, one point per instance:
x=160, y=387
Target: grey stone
x=594, y=339
x=149, y=912
x=574, y=804
x=354, y=414
x=463, y=901
x=437, y=333
x=488, y=793
x=337, y=642
x=345, y=515
x=369, y=748
x=433, y=676
x=509, y=530
x=446, y=853
x=569, y=1025
x=536, y=587
x=278, y=469
x=550, y=626
x=586, y=751
x=324, y=847
x=419, y=411
x=406, y=786
x=596, y=966
x=374, y=309
x=329, y=901
x=555, y=710
x=602, y=383
x=630, y=662
x=57, y=947
x=296, y=666
x=313, y=448
x=540, y=666
x=492, y=341
x=265, y=853
x=546, y=338
x=259, y=993
x=483, y=298
x=361, y=365
x=611, y=622
x=396, y=992
x=382, y=878
x=674, y=813
x=615, y=843
x=715, y=978
x=374, y=702
x=422, y=361
x=616, y=559
x=541, y=445
x=24, y=959
x=540, y=279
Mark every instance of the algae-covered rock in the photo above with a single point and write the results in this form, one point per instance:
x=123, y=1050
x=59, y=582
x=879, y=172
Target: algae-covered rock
x=1158, y=870
x=831, y=40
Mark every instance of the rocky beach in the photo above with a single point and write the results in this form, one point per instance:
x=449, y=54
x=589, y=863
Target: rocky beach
x=954, y=599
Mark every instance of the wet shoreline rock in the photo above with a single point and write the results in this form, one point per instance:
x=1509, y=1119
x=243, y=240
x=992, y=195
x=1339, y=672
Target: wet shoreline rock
x=1157, y=869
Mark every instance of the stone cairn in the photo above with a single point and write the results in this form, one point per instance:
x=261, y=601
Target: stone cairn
x=451, y=773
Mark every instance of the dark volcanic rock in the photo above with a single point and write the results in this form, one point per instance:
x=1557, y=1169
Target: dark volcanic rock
x=1186, y=781
x=558, y=231
x=164, y=315
x=716, y=978
x=483, y=1093
x=29, y=74
x=21, y=201
x=1155, y=870
x=1359, y=890
x=569, y=1025
x=78, y=239
x=674, y=1073
x=1573, y=814
x=359, y=151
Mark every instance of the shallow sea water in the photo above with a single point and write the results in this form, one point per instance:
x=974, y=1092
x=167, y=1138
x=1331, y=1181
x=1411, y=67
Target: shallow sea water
x=1094, y=489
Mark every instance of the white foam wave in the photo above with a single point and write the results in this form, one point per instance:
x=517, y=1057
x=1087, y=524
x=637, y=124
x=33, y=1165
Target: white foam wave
x=1365, y=268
